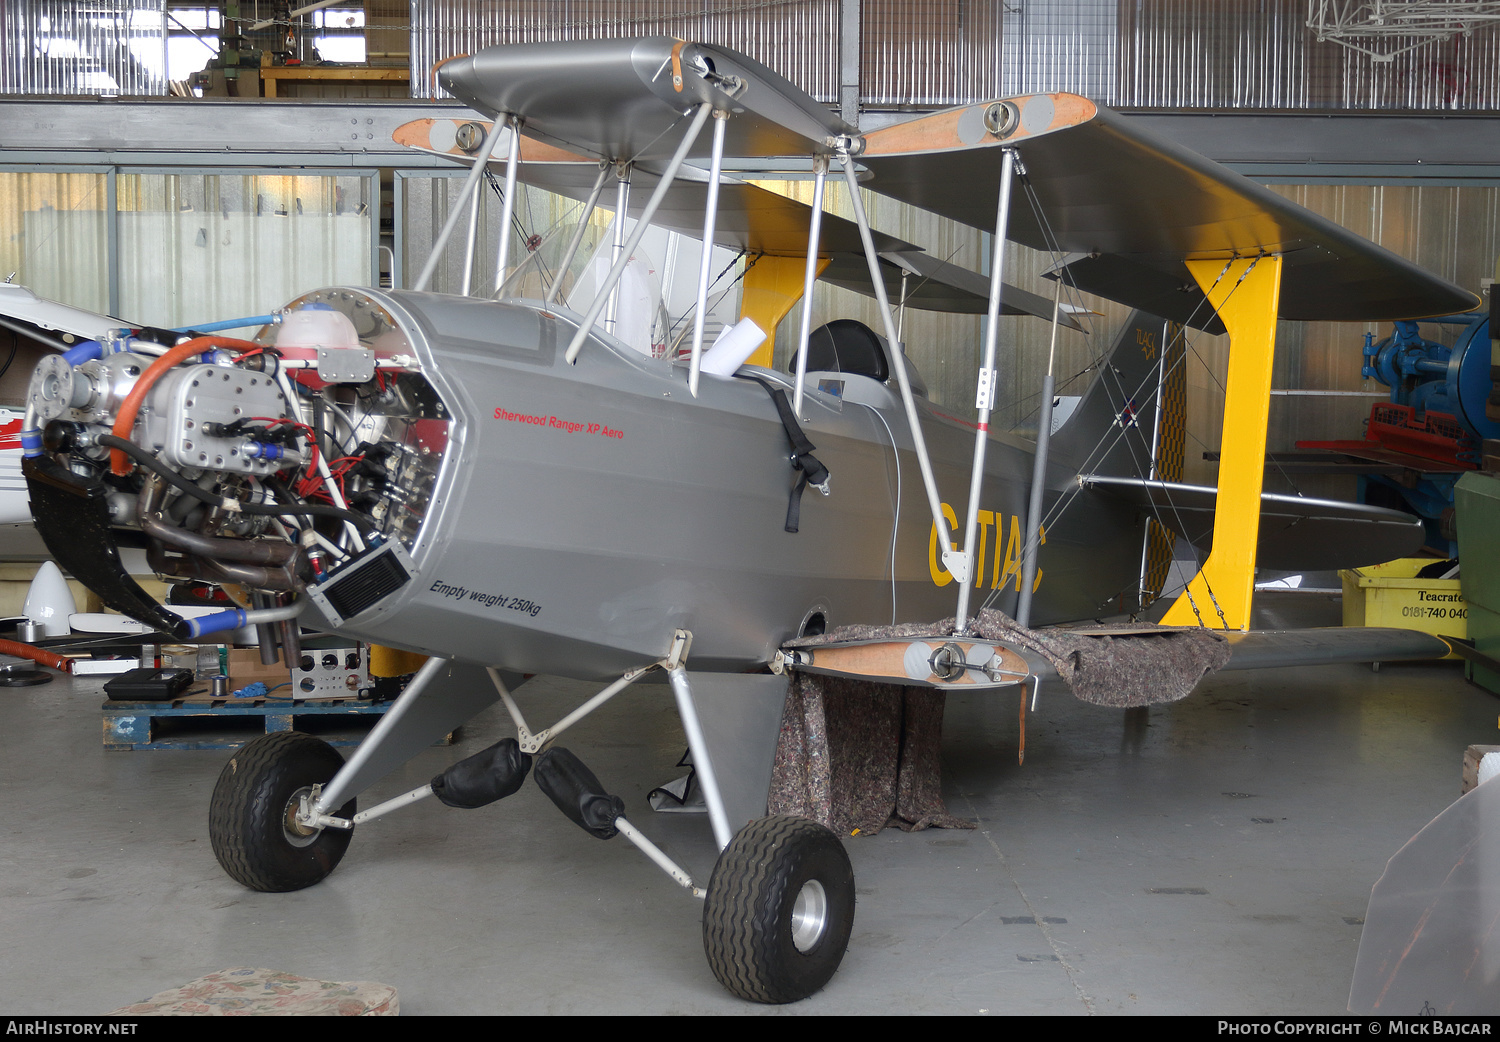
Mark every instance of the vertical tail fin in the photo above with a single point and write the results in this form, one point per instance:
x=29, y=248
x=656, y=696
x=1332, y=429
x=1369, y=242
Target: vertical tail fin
x=1132, y=422
x=1120, y=426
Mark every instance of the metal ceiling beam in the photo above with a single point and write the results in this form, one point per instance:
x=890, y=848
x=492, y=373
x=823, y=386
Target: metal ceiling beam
x=358, y=133
x=337, y=133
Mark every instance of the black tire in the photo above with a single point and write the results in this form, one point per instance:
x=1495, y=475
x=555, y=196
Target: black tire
x=779, y=910
x=249, y=817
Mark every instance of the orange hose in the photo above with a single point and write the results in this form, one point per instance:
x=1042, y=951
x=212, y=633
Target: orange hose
x=119, y=463
x=35, y=654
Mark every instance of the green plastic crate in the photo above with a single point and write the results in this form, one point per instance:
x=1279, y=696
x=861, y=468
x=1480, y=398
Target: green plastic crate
x=1476, y=501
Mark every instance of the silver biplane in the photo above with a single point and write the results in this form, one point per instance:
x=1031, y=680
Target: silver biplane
x=487, y=481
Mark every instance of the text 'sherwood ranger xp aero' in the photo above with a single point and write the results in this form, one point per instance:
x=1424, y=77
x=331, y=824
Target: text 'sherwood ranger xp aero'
x=483, y=480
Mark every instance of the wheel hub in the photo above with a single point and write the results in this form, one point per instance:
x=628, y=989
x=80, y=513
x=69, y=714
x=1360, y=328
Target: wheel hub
x=809, y=916
x=297, y=833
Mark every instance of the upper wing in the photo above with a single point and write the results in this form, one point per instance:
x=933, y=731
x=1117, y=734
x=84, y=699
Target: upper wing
x=626, y=99
x=1132, y=207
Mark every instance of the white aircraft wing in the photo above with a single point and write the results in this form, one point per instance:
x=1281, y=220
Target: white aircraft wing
x=60, y=325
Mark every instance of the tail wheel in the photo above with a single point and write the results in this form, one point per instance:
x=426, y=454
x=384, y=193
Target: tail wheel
x=252, y=819
x=779, y=910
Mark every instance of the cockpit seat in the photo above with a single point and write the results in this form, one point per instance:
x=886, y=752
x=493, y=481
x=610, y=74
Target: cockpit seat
x=846, y=345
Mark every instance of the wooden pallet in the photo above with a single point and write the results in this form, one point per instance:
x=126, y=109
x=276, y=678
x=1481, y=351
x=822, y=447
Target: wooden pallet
x=133, y=725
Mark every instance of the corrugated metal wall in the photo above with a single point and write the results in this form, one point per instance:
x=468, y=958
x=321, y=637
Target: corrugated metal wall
x=1214, y=54
x=1259, y=54
x=65, y=47
x=1052, y=45
x=939, y=53
x=1178, y=54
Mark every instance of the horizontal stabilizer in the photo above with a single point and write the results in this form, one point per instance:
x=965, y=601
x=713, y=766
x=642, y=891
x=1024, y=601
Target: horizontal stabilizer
x=1296, y=532
x=1267, y=649
x=1277, y=649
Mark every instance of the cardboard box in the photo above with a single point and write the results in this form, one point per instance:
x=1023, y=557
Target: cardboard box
x=245, y=667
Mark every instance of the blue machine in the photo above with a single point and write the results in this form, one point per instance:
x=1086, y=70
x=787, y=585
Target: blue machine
x=1432, y=378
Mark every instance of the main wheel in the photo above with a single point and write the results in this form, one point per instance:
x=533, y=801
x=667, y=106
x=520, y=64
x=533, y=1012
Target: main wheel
x=779, y=910
x=252, y=819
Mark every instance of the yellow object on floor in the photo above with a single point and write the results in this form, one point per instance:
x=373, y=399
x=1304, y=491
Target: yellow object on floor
x=393, y=662
x=1390, y=594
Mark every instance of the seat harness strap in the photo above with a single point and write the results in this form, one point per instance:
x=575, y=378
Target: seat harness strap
x=810, y=471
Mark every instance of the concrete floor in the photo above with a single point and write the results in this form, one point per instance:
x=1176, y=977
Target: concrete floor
x=1210, y=857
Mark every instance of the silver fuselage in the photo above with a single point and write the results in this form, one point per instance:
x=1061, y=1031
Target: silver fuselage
x=585, y=512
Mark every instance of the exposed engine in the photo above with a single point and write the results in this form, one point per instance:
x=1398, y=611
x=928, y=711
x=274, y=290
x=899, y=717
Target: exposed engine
x=293, y=467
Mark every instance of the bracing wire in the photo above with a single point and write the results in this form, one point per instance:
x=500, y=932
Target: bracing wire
x=531, y=243
x=1111, y=438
